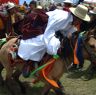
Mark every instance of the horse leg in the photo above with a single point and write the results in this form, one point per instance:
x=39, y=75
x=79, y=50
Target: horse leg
x=9, y=80
x=60, y=85
x=92, y=70
x=59, y=91
x=46, y=89
x=1, y=78
x=16, y=78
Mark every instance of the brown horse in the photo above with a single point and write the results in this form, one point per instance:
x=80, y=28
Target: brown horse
x=89, y=45
x=90, y=52
x=54, y=74
x=13, y=72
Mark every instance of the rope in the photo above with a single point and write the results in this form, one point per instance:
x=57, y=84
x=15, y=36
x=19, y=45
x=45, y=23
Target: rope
x=41, y=67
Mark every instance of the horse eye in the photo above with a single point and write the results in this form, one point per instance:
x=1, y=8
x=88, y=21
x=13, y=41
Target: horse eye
x=92, y=46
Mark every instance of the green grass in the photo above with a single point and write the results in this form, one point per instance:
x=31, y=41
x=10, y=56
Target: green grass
x=72, y=82
x=75, y=85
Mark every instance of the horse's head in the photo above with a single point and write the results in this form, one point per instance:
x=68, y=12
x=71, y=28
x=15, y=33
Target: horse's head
x=91, y=39
x=89, y=43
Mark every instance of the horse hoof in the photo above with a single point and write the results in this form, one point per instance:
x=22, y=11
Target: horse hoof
x=86, y=78
x=2, y=83
x=59, y=92
x=23, y=90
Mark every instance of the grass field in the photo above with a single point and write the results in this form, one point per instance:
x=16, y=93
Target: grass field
x=72, y=82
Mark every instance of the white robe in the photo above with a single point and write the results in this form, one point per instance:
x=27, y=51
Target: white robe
x=35, y=48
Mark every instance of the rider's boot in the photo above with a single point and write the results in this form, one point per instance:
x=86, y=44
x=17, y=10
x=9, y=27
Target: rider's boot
x=35, y=79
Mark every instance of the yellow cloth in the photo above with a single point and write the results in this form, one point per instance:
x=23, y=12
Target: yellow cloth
x=13, y=18
x=1, y=24
x=76, y=61
x=45, y=72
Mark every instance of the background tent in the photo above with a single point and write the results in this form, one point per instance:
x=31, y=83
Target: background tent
x=22, y=1
x=90, y=1
x=5, y=1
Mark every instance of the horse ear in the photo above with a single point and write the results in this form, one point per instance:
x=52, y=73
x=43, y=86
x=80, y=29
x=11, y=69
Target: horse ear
x=6, y=35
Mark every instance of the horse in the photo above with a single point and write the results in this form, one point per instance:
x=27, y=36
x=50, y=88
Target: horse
x=54, y=73
x=90, y=49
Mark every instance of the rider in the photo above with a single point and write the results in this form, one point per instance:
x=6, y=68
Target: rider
x=35, y=48
x=32, y=6
x=85, y=26
x=13, y=16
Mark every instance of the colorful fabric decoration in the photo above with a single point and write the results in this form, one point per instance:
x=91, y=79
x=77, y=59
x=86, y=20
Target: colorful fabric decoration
x=2, y=42
x=47, y=69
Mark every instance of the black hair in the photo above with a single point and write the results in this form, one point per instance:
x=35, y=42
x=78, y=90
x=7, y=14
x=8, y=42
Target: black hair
x=33, y=3
x=25, y=3
x=59, y=4
x=77, y=17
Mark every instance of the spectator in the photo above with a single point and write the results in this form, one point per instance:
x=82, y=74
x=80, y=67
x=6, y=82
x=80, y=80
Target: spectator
x=67, y=5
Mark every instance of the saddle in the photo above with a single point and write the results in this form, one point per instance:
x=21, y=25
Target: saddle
x=29, y=65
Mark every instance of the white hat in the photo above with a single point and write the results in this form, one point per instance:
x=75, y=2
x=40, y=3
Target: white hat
x=39, y=7
x=68, y=1
x=93, y=11
x=10, y=5
x=81, y=12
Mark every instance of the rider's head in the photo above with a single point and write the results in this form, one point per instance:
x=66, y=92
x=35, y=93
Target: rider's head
x=10, y=7
x=33, y=5
x=80, y=13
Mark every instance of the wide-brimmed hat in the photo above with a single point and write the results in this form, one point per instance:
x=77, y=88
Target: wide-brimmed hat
x=68, y=1
x=93, y=11
x=39, y=7
x=81, y=12
x=10, y=5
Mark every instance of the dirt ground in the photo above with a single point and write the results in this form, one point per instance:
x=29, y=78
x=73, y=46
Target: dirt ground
x=73, y=83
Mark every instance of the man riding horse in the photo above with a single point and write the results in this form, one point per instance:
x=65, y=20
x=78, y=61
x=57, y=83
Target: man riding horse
x=85, y=26
x=34, y=48
x=48, y=38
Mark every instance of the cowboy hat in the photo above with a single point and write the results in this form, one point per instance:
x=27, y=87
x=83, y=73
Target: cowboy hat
x=39, y=7
x=93, y=11
x=10, y=5
x=81, y=12
x=68, y=1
